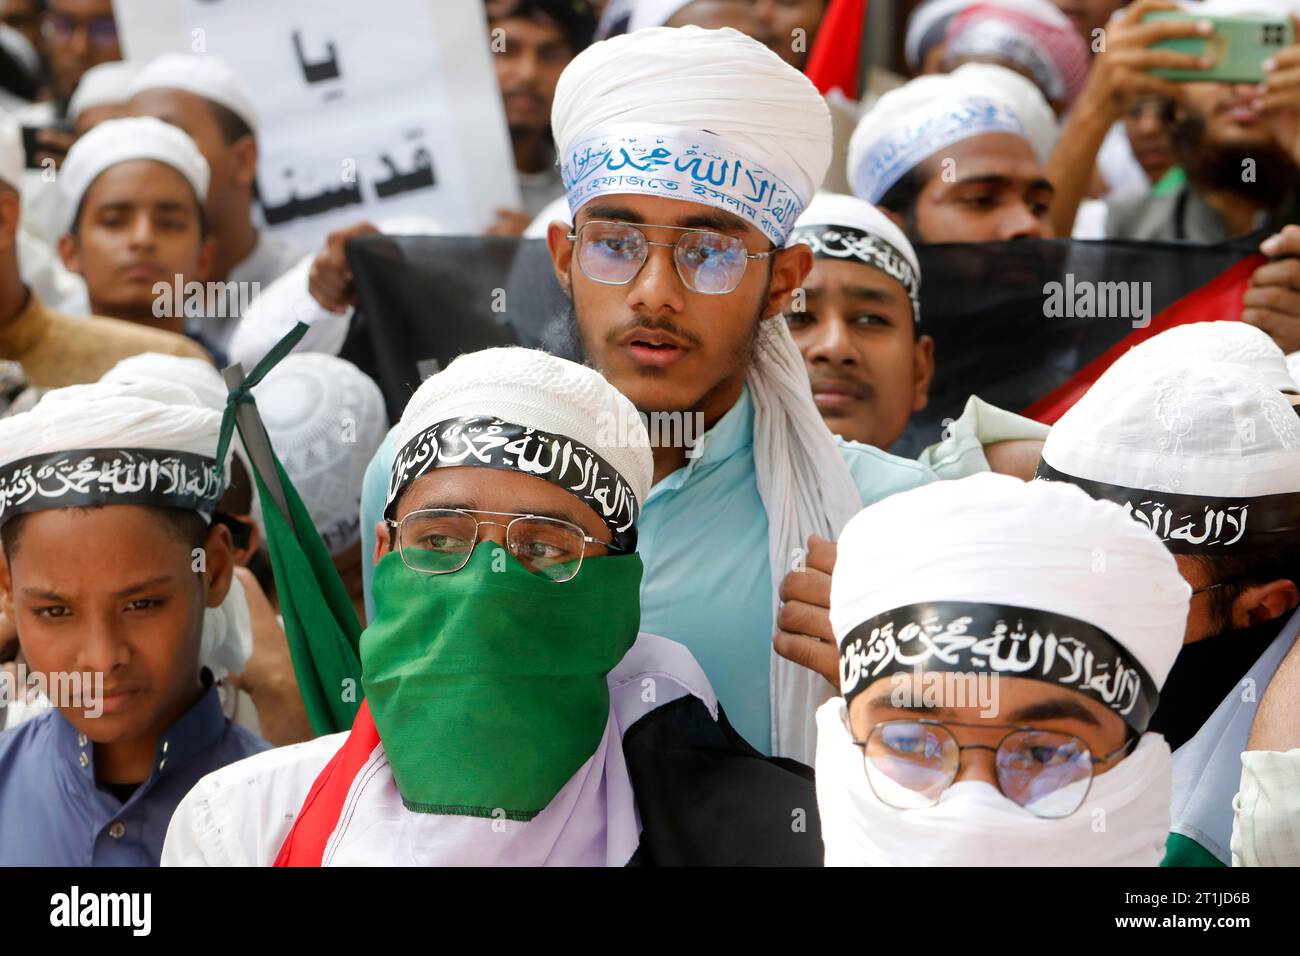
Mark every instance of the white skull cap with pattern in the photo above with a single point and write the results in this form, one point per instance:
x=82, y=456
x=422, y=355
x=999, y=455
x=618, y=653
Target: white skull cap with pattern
x=1237, y=343
x=531, y=388
x=325, y=418
x=705, y=116
x=910, y=124
x=1180, y=426
x=993, y=539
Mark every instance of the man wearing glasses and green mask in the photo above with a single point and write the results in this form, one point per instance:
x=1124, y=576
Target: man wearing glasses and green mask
x=514, y=714
x=1002, y=648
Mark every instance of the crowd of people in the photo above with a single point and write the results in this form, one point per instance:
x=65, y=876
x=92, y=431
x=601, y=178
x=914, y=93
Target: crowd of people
x=767, y=642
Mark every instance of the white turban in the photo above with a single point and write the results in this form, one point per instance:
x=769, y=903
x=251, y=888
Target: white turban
x=837, y=226
x=1237, y=343
x=104, y=84
x=926, y=26
x=706, y=116
x=1205, y=454
x=990, y=575
x=122, y=140
x=528, y=411
x=1033, y=34
x=203, y=74
x=325, y=418
x=993, y=539
x=910, y=124
x=13, y=157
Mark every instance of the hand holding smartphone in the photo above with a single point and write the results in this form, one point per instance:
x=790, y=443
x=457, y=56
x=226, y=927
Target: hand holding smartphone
x=1239, y=46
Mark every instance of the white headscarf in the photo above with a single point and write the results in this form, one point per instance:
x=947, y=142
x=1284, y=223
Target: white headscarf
x=910, y=124
x=717, y=93
x=925, y=28
x=994, y=540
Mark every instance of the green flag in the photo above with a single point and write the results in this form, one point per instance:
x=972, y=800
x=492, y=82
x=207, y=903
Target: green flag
x=319, y=621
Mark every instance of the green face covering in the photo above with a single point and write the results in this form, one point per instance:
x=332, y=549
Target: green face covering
x=488, y=686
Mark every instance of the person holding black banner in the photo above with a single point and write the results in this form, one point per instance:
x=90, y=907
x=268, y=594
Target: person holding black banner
x=514, y=712
x=998, y=691
x=1207, y=455
x=112, y=569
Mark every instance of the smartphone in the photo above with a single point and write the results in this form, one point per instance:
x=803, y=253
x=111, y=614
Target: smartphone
x=1239, y=45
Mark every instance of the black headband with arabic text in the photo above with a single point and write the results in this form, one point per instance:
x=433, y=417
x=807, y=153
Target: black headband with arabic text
x=486, y=441
x=974, y=637
x=847, y=242
x=85, y=478
x=1200, y=524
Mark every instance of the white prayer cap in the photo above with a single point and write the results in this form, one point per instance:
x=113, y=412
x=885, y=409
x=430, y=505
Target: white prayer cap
x=1181, y=426
x=146, y=442
x=846, y=227
x=528, y=411
x=203, y=74
x=1205, y=454
x=325, y=418
x=910, y=124
x=122, y=140
x=1033, y=34
x=707, y=116
x=104, y=84
x=13, y=157
x=993, y=548
x=1237, y=343
x=926, y=26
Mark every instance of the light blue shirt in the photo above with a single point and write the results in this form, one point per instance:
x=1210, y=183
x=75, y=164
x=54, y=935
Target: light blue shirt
x=702, y=536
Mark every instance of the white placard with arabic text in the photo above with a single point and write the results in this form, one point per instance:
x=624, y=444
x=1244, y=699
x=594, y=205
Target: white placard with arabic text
x=367, y=110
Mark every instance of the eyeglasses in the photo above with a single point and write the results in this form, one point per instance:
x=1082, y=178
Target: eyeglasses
x=100, y=31
x=710, y=263
x=910, y=763
x=441, y=540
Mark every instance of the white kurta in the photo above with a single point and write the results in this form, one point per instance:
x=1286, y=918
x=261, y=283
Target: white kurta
x=241, y=815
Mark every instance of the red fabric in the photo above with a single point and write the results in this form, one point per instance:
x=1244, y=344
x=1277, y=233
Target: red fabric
x=1218, y=299
x=833, y=60
x=305, y=844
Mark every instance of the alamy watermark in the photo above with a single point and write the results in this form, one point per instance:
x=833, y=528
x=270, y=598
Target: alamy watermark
x=1084, y=299
x=212, y=300
x=63, y=689
x=659, y=429
x=944, y=689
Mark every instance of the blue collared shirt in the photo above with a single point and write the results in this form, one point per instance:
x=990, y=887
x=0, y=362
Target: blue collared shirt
x=702, y=535
x=52, y=813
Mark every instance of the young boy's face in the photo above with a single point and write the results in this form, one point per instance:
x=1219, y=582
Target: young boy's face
x=114, y=591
